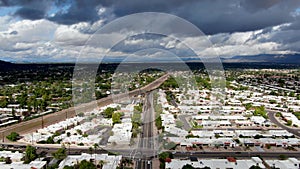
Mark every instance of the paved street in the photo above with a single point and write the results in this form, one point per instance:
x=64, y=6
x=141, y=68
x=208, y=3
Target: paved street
x=186, y=124
x=234, y=154
x=271, y=115
x=147, y=139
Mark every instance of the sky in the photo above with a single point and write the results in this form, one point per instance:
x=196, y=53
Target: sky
x=57, y=31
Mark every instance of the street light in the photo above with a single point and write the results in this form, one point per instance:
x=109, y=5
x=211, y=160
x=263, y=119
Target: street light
x=68, y=148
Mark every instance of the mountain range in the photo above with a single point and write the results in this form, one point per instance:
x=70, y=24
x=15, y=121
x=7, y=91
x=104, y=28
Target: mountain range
x=266, y=58
x=262, y=58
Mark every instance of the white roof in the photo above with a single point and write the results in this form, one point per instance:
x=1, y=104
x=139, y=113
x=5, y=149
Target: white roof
x=291, y=163
x=214, y=163
x=110, y=161
x=20, y=165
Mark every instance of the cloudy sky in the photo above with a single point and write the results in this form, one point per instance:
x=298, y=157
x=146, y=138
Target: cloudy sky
x=56, y=31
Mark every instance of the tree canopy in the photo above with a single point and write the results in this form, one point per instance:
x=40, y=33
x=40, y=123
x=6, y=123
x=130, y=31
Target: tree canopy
x=13, y=136
x=116, y=117
x=108, y=112
x=60, y=154
x=30, y=154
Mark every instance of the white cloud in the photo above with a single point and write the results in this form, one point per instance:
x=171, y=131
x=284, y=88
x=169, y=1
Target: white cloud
x=32, y=31
x=66, y=35
x=44, y=40
x=273, y=40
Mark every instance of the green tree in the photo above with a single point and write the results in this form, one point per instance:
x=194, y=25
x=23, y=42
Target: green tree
x=138, y=108
x=22, y=99
x=162, y=156
x=108, y=112
x=255, y=167
x=86, y=165
x=101, y=163
x=297, y=114
x=50, y=140
x=289, y=122
x=291, y=94
x=188, y=166
x=79, y=131
x=278, y=114
x=60, y=154
x=13, y=136
x=91, y=150
x=3, y=102
x=282, y=157
x=158, y=123
x=8, y=160
x=30, y=154
x=260, y=111
x=248, y=106
x=116, y=118
x=43, y=104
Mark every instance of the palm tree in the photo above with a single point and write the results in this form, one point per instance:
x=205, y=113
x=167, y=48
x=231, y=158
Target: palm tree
x=101, y=163
x=91, y=150
x=69, y=147
x=96, y=146
x=95, y=149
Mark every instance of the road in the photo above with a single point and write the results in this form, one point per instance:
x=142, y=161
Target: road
x=147, y=140
x=177, y=154
x=37, y=123
x=271, y=115
x=186, y=124
x=235, y=154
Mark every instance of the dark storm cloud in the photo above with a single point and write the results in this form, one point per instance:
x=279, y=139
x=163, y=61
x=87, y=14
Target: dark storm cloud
x=79, y=11
x=30, y=13
x=29, y=9
x=218, y=15
x=13, y=33
x=211, y=16
x=255, y=5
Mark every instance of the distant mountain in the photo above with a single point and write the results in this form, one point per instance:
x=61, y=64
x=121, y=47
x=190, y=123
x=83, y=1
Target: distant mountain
x=6, y=65
x=267, y=58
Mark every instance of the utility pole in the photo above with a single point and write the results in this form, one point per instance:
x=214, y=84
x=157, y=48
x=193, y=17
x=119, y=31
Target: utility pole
x=42, y=121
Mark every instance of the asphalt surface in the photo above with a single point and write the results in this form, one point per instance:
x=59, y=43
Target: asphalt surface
x=176, y=154
x=146, y=141
x=235, y=154
x=186, y=124
x=273, y=119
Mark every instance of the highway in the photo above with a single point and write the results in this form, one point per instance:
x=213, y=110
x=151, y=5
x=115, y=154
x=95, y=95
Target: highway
x=271, y=115
x=37, y=123
x=146, y=140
